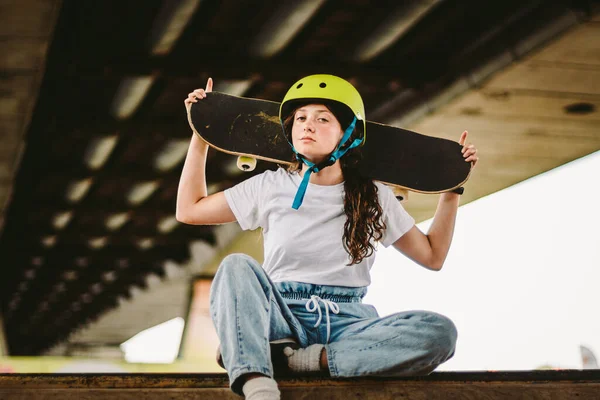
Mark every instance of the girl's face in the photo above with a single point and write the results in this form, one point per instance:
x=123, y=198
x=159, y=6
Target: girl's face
x=315, y=132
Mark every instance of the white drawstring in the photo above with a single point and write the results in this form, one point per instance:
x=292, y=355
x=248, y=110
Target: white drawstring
x=312, y=305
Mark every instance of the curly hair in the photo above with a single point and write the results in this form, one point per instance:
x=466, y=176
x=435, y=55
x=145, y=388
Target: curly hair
x=364, y=223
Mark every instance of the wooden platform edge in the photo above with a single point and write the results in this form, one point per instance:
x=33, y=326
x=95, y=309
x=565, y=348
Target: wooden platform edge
x=186, y=380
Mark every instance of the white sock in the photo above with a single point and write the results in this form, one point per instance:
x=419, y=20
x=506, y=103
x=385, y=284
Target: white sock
x=304, y=360
x=261, y=388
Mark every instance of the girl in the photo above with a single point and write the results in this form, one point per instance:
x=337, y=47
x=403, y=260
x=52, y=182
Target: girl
x=321, y=221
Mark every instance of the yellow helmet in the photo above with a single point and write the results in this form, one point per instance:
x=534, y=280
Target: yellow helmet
x=324, y=87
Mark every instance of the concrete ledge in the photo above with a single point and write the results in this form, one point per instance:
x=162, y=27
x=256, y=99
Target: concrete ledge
x=443, y=385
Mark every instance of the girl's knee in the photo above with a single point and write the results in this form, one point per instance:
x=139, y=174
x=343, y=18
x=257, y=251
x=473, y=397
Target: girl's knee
x=237, y=259
x=437, y=331
x=234, y=271
x=443, y=332
x=235, y=265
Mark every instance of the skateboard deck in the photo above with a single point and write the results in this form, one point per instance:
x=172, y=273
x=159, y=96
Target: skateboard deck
x=394, y=156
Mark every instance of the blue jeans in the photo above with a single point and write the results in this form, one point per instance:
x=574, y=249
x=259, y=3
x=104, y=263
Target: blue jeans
x=249, y=311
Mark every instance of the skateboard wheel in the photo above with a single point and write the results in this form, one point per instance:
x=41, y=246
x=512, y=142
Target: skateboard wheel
x=401, y=194
x=246, y=163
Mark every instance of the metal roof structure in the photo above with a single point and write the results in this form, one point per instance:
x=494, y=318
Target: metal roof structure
x=95, y=132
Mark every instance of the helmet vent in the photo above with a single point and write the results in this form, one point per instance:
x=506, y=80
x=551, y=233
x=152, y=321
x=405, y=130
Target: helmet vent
x=322, y=84
x=299, y=85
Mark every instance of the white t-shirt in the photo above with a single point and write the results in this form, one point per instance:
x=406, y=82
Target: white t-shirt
x=305, y=245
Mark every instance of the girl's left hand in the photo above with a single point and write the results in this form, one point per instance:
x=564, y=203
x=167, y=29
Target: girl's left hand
x=469, y=151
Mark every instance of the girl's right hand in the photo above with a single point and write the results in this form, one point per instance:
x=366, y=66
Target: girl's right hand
x=198, y=94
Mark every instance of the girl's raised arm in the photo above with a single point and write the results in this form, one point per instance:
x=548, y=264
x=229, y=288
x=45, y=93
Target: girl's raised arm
x=194, y=205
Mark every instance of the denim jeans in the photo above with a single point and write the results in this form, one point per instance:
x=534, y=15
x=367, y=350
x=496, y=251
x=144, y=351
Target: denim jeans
x=249, y=311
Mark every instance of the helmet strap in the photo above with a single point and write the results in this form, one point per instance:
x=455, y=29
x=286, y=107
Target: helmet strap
x=312, y=167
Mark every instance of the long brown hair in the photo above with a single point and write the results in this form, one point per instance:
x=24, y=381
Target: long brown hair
x=364, y=223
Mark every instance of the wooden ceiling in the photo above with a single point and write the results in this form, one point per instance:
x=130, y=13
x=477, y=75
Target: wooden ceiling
x=89, y=206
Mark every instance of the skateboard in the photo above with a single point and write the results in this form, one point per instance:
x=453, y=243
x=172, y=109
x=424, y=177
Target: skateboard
x=402, y=159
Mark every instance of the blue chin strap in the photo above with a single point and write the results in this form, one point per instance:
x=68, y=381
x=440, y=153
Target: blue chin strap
x=333, y=157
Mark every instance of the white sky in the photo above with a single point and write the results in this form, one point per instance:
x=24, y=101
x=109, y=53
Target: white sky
x=522, y=279
x=159, y=344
